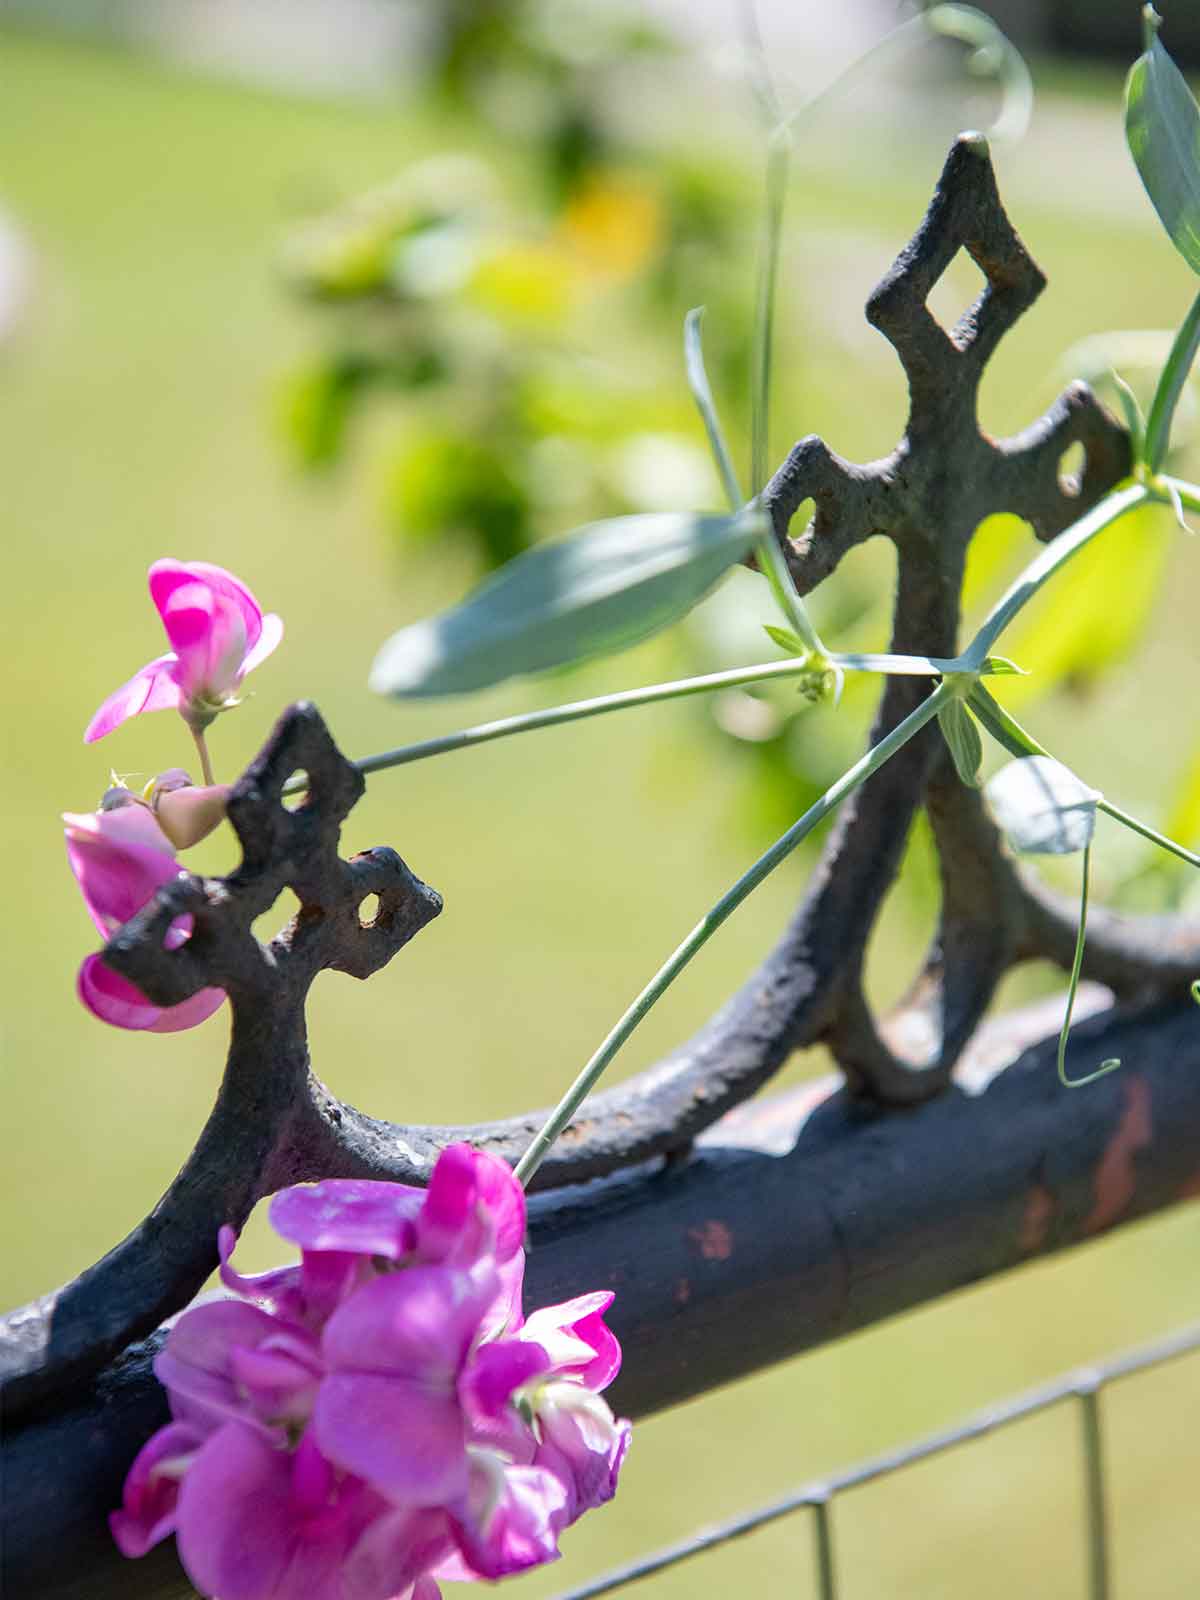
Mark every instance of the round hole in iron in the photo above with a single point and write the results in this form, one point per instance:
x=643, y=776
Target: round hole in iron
x=295, y=790
x=1071, y=465
x=369, y=910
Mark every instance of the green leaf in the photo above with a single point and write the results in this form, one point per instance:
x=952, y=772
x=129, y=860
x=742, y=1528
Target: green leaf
x=1111, y=595
x=961, y=734
x=1135, y=421
x=788, y=641
x=1162, y=126
x=1042, y=807
x=1002, y=667
x=1169, y=390
x=693, y=356
x=603, y=588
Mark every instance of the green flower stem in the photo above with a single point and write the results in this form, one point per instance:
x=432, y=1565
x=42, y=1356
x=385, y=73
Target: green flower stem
x=681, y=688
x=770, y=555
x=574, y=711
x=1112, y=1064
x=583, y=1085
x=1189, y=493
x=1009, y=733
x=1019, y=593
x=778, y=574
x=1170, y=386
x=778, y=153
x=201, y=744
x=899, y=666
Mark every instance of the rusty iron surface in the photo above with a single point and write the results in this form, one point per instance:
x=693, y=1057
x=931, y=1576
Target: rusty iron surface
x=275, y=1122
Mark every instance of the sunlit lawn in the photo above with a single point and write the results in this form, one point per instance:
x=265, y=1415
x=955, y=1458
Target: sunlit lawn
x=135, y=406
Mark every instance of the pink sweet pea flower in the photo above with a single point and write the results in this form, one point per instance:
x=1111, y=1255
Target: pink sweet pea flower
x=389, y=1409
x=258, y=1523
x=120, y=857
x=380, y=1416
x=217, y=633
x=151, y=1496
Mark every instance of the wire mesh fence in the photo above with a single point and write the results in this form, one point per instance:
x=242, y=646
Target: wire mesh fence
x=1083, y=1387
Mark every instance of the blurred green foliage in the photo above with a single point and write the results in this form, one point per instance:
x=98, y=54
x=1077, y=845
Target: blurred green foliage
x=465, y=293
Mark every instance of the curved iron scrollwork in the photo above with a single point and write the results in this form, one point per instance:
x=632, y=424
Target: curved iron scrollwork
x=275, y=1122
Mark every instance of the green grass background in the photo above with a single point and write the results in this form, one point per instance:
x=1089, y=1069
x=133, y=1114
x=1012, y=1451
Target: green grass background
x=134, y=423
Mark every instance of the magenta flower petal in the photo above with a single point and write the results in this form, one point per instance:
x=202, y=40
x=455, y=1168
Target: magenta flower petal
x=195, y=1363
x=449, y=1205
x=417, y=1323
x=327, y=1277
x=268, y=641
x=119, y=859
x=406, y=1439
x=188, y=1013
x=212, y=621
x=147, y=1513
x=349, y=1214
x=504, y=1313
x=398, y=1549
x=504, y=1200
x=576, y=1338
x=279, y=1384
x=583, y=1444
x=496, y=1369
x=152, y=689
x=277, y=1291
x=240, y=1536
x=115, y=1000
x=474, y=1205
x=511, y=1518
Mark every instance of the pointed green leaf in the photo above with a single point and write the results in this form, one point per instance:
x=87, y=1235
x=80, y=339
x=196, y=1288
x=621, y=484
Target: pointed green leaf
x=1042, y=807
x=693, y=356
x=961, y=734
x=1135, y=422
x=788, y=641
x=1002, y=667
x=1114, y=585
x=603, y=588
x=1162, y=126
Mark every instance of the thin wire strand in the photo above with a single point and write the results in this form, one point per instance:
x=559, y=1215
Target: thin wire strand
x=1093, y=1488
x=823, y=1551
x=813, y=1495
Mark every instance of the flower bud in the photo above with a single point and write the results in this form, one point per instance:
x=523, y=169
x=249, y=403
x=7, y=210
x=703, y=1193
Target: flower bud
x=187, y=814
x=116, y=797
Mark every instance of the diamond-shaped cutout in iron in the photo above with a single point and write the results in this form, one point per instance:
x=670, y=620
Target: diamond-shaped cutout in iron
x=954, y=300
